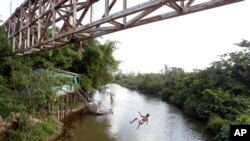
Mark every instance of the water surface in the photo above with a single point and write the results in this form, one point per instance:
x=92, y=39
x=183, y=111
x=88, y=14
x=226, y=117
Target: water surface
x=166, y=122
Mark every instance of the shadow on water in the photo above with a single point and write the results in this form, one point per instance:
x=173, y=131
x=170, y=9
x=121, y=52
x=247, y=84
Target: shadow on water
x=166, y=122
x=87, y=128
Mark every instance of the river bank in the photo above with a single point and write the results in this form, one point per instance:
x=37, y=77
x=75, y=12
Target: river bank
x=81, y=111
x=23, y=127
x=5, y=127
x=169, y=122
x=214, y=95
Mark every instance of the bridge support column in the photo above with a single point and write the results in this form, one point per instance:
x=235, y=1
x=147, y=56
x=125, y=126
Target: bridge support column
x=106, y=8
x=58, y=109
x=124, y=8
x=20, y=26
x=60, y=100
x=66, y=105
x=48, y=110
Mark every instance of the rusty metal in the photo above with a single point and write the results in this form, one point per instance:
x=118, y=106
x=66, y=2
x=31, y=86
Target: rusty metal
x=39, y=25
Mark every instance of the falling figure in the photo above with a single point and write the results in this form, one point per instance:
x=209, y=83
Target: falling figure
x=140, y=122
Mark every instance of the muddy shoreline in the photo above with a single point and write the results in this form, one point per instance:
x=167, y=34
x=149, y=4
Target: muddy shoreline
x=62, y=133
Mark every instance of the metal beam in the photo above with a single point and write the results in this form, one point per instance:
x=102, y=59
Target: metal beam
x=45, y=24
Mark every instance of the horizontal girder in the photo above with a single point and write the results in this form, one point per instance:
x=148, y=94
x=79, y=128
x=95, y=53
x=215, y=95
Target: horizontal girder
x=39, y=25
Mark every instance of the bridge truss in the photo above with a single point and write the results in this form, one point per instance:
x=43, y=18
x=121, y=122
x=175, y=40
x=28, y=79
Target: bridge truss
x=39, y=25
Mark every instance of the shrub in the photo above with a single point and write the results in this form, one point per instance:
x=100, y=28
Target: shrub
x=34, y=132
x=219, y=128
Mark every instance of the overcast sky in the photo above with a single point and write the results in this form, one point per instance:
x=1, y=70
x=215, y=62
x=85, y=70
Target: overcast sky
x=190, y=42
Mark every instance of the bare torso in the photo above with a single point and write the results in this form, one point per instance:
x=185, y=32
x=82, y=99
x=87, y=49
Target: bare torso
x=144, y=119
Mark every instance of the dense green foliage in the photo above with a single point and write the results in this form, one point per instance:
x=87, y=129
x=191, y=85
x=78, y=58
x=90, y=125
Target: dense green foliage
x=27, y=131
x=22, y=91
x=219, y=94
x=96, y=64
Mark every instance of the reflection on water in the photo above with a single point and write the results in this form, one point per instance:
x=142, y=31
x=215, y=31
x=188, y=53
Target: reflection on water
x=166, y=123
x=90, y=128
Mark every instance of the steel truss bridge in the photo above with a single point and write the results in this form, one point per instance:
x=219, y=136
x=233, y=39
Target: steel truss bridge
x=39, y=25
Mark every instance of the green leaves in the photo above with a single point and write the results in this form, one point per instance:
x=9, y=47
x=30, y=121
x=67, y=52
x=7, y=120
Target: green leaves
x=5, y=48
x=219, y=94
x=34, y=132
x=86, y=83
x=219, y=128
x=212, y=102
x=96, y=65
x=24, y=91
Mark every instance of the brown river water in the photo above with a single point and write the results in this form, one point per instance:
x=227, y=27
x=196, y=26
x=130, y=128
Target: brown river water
x=166, y=122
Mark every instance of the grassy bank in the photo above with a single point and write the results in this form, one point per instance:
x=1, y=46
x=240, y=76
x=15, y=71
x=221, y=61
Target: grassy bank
x=26, y=128
x=35, y=132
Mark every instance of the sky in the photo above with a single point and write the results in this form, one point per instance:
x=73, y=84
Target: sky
x=190, y=42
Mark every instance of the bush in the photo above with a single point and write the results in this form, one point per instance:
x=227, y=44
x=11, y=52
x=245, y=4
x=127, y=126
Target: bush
x=219, y=128
x=86, y=83
x=10, y=104
x=213, y=102
x=34, y=132
x=243, y=119
x=215, y=124
x=165, y=93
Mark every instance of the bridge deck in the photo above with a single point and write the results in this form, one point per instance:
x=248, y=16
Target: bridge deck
x=39, y=25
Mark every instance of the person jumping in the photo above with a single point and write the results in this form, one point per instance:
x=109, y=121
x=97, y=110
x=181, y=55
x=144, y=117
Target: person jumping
x=140, y=122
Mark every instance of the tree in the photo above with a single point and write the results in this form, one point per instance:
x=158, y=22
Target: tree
x=218, y=94
x=97, y=63
x=1, y=19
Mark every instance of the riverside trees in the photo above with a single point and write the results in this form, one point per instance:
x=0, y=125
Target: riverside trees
x=219, y=94
x=94, y=63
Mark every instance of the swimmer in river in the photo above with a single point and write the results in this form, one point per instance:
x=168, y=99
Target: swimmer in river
x=143, y=120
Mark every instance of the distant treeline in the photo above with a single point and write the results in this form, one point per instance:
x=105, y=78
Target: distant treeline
x=219, y=94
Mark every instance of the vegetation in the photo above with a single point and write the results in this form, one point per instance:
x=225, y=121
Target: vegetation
x=96, y=65
x=219, y=94
x=24, y=93
x=33, y=132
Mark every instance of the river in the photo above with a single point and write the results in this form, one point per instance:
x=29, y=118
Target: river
x=166, y=122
